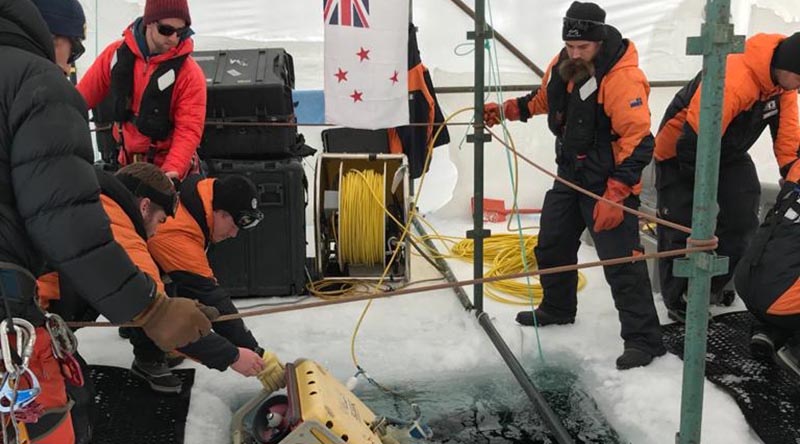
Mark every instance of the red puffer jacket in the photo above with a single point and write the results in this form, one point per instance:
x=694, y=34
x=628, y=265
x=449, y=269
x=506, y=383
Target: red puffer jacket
x=187, y=108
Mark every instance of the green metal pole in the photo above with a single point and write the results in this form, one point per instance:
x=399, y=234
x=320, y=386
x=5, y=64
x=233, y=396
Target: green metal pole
x=478, y=233
x=715, y=43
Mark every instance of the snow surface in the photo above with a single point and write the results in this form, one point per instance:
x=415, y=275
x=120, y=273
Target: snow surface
x=430, y=336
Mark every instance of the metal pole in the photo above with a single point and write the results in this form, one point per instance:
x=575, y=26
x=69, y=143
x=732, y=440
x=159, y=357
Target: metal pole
x=549, y=417
x=478, y=233
x=715, y=43
x=502, y=40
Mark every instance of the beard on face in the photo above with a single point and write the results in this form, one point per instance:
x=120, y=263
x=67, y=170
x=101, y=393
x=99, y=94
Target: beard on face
x=575, y=70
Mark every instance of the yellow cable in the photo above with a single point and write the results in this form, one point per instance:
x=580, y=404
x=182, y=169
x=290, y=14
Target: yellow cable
x=406, y=230
x=361, y=218
x=501, y=253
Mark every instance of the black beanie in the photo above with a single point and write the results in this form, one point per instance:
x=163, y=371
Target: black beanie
x=787, y=54
x=236, y=195
x=584, y=21
x=64, y=17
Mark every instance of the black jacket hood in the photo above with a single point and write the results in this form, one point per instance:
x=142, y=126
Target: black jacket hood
x=22, y=26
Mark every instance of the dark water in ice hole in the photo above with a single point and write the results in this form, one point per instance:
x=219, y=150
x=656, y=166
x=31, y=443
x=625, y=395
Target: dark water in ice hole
x=491, y=408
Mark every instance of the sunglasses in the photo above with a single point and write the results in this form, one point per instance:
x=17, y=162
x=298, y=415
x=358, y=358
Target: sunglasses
x=168, y=30
x=77, y=50
x=249, y=219
x=580, y=24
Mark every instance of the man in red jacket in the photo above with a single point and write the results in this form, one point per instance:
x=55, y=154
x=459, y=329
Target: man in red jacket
x=158, y=90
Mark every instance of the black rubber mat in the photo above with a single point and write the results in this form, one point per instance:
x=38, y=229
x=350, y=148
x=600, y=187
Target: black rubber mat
x=127, y=411
x=767, y=395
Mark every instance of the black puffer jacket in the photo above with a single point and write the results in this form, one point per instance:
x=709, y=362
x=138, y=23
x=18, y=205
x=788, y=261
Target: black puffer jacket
x=49, y=195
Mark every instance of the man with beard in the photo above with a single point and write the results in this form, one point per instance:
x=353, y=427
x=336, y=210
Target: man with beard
x=595, y=97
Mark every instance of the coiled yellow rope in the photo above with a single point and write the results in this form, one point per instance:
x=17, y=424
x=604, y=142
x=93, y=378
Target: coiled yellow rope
x=501, y=252
x=361, y=220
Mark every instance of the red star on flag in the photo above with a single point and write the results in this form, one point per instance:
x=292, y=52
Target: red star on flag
x=363, y=54
x=357, y=96
x=394, y=78
x=341, y=75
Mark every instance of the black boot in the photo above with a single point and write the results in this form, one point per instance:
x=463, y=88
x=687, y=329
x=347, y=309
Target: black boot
x=543, y=318
x=764, y=341
x=633, y=357
x=157, y=375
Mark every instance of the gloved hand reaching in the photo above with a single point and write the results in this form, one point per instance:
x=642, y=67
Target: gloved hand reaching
x=249, y=363
x=491, y=112
x=272, y=376
x=173, y=322
x=607, y=216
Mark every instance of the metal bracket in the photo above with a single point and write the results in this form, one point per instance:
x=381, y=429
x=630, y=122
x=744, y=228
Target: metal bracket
x=472, y=35
x=486, y=138
x=482, y=234
x=689, y=267
x=715, y=34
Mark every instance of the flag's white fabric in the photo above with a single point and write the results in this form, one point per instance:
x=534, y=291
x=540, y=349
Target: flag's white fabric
x=366, y=63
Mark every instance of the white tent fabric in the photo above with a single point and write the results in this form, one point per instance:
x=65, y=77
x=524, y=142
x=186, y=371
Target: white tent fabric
x=659, y=29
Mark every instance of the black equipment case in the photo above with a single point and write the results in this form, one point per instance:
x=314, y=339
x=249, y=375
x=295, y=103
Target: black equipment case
x=268, y=260
x=352, y=140
x=248, y=86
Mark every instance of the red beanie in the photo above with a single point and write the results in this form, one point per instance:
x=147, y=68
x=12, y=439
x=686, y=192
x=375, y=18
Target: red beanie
x=155, y=10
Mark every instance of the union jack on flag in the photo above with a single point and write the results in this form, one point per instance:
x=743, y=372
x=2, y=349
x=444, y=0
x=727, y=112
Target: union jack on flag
x=347, y=12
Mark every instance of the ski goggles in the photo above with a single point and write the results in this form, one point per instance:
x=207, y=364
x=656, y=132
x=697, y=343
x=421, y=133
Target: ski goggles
x=249, y=219
x=580, y=24
x=169, y=30
x=167, y=201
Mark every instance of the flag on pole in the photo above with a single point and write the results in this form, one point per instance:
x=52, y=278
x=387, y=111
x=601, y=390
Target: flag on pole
x=366, y=63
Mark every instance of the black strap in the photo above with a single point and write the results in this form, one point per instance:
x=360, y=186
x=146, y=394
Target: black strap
x=191, y=200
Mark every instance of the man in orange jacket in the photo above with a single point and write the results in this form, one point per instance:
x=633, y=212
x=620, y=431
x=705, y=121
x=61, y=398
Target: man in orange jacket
x=768, y=281
x=760, y=92
x=158, y=90
x=595, y=97
x=211, y=211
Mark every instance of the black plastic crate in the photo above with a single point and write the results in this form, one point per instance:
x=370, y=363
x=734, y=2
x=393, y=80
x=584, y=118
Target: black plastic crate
x=270, y=259
x=248, y=87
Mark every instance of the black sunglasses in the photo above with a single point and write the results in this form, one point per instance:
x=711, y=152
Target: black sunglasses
x=580, y=24
x=168, y=30
x=77, y=50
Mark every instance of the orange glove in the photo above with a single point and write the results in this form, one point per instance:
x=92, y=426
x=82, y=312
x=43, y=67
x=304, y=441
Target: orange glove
x=491, y=112
x=606, y=216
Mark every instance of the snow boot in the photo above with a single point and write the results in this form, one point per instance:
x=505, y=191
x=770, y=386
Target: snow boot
x=633, y=357
x=157, y=375
x=543, y=318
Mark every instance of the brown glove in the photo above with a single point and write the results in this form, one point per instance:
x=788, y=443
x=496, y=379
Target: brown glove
x=211, y=312
x=272, y=377
x=173, y=322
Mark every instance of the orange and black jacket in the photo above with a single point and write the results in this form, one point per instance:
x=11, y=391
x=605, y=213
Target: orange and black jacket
x=768, y=277
x=413, y=141
x=752, y=102
x=128, y=230
x=602, y=126
x=179, y=249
